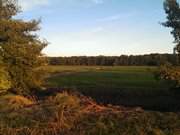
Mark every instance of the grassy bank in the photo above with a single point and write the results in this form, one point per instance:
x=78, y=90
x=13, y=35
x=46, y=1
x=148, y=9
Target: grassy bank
x=69, y=114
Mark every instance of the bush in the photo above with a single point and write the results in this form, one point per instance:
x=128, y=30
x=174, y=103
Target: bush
x=170, y=73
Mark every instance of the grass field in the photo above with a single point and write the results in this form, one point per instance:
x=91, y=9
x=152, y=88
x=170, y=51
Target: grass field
x=66, y=113
x=129, y=86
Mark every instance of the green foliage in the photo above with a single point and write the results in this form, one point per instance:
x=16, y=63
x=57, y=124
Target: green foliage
x=172, y=10
x=20, y=49
x=123, y=60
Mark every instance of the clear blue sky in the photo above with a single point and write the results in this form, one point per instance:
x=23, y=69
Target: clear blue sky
x=100, y=27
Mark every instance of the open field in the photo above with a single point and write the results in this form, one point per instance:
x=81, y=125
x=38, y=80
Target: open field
x=69, y=113
x=129, y=86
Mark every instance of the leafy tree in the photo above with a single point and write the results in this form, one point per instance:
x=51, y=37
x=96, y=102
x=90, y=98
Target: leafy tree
x=172, y=10
x=20, y=48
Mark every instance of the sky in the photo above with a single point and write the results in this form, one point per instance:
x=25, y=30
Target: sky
x=100, y=27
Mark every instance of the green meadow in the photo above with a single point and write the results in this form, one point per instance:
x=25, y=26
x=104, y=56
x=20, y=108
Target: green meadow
x=128, y=85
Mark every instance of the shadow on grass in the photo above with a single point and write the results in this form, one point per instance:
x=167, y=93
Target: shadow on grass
x=161, y=100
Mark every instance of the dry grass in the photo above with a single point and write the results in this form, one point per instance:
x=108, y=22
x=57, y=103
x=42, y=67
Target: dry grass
x=69, y=114
x=18, y=102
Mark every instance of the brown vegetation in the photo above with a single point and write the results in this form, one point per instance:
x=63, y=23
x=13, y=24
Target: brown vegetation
x=72, y=114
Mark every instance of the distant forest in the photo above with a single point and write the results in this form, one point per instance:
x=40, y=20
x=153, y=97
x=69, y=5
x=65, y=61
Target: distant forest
x=123, y=60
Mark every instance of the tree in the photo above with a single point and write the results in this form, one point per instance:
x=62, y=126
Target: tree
x=20, y=48
x=172, y=10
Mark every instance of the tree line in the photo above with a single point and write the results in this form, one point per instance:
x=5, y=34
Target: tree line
x=123, y=60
